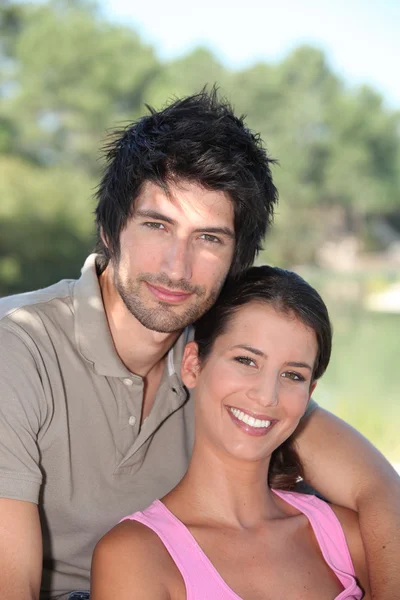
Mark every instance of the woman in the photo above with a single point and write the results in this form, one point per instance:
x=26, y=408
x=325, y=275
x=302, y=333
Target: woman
x=223, y=533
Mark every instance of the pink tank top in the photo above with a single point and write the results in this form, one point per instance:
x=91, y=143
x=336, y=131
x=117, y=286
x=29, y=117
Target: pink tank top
x=203, y=581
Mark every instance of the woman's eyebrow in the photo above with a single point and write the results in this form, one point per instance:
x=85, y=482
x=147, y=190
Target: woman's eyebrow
x=300, y=365
x=250, y=349
x=257, y=352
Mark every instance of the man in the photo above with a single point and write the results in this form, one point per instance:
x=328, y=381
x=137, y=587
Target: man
x=94, y=420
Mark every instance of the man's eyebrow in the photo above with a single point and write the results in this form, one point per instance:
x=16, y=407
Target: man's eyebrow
x=221, y=230
x=153, y=214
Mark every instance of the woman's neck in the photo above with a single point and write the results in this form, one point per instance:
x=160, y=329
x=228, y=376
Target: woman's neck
x=224, y=489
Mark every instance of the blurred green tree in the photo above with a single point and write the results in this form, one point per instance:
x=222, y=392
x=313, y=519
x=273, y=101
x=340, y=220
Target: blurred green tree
x=67, y=74
x=73, y=75
x=46, y=225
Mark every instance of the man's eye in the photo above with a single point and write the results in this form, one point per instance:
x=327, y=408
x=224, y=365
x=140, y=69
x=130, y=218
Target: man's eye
x=293, y=376
x=245, y=360
x=154, y=225
x=207, y=237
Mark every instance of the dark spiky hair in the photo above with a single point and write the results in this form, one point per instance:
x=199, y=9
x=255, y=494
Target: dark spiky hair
x=197, y=139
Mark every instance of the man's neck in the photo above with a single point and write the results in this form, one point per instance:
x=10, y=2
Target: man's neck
x=139, y=348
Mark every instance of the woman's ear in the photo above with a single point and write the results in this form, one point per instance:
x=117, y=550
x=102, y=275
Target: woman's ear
x=190, y=368
x=312, y=388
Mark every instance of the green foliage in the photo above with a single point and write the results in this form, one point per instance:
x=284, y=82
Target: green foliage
x=46, y=227
x=67, y=75
x=73, y=76
x=184, y=76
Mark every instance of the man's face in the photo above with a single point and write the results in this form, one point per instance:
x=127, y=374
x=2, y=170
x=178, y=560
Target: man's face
x=175, y=253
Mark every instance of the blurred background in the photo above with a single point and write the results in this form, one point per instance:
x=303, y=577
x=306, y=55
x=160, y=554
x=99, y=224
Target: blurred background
x=318, y=80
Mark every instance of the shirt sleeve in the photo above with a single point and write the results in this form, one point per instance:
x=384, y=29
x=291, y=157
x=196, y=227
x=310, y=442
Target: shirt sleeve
x=22, y=406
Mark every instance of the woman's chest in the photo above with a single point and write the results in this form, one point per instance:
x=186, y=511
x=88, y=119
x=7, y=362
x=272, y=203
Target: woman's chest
x=273, y=565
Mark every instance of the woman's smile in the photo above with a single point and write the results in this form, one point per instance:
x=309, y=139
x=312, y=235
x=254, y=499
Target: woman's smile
x=250, y=423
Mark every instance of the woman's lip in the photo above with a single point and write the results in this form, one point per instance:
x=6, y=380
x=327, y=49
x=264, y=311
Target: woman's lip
x=167, y=295
x=252, y=414
x=249, y=429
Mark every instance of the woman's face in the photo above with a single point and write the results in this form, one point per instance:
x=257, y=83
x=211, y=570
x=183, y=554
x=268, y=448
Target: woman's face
x=254, y=387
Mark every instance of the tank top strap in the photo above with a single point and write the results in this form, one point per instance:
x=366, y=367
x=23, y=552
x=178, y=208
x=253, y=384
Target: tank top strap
x=201, y=578
x=330, y=537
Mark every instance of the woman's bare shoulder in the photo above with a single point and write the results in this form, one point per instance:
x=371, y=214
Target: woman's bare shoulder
x=132, y=558
x=350, y=525
x=131, y=537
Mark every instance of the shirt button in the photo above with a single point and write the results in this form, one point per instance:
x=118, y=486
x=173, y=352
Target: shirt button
x=127, y=381
x=132, y=420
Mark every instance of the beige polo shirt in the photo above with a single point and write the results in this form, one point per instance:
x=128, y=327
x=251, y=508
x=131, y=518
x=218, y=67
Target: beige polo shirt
x=69, y=424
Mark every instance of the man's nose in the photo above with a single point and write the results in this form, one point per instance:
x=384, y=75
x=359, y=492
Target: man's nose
x=265, y=391
x=177, y=260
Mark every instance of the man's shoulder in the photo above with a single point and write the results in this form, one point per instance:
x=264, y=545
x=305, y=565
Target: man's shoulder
x=15, y=307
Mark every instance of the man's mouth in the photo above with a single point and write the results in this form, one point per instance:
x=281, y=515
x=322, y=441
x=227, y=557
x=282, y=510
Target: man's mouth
x=251, y=423
x=166, y=295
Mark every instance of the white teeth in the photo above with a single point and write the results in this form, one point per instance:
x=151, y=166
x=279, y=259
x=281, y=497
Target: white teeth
x=239, y=414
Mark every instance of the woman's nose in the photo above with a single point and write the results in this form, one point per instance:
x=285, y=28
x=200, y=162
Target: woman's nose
x=265, y=391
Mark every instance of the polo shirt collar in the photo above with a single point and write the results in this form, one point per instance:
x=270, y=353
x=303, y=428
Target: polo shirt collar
x=93, y=334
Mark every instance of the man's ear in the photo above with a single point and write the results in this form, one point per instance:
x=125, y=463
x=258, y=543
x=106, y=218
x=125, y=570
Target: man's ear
x=103, y=237
x=190, y=368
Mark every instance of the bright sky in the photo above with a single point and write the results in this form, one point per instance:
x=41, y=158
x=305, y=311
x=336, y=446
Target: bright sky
x=361, y=37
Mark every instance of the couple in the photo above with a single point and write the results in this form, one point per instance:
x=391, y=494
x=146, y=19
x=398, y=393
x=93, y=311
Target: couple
x=95, y=422
x=222, y=532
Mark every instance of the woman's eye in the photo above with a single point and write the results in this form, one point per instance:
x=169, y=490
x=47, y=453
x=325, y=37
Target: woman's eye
x=207, y=237
x=293, y=376
x=245, y=360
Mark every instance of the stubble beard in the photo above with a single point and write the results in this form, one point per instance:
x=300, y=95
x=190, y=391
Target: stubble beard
x=163, y=318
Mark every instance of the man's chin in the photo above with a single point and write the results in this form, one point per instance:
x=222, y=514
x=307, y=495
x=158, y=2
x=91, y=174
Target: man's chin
x=161, y=316
x=163, y=323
